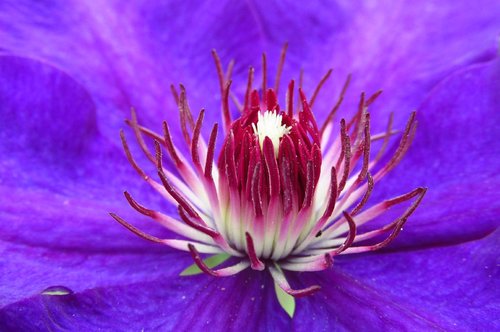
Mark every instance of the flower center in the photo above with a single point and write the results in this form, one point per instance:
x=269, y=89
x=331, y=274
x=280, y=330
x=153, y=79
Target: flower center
x=270, y=125
x=284, y=194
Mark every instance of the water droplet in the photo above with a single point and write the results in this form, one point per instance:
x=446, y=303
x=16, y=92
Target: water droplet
x=57, y=291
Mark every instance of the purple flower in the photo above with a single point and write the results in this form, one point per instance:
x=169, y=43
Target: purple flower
x=70, y=72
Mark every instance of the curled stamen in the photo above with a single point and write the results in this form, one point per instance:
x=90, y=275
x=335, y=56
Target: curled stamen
x=256, y=263
x=280, y=279
x=366, y=196
x=350, y=237
x=224, y=272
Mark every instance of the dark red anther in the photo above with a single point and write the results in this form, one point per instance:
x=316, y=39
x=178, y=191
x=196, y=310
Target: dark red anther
x=280, y=68
x=319, y=86
x=366, y=196
x=170, y=145
x=194, y=143
x=309, y=190
x=249, y=89
x=271, y=100
x=335, y=108
x=255, y=262
x=255, y=192
x=196, y=223
x=199, y=262
x=332, y=197
x=210, y=152
x=254, y=101
x=135, y=230
x=175, y=195
x=271, y=167
x=350, y=237
x=225, y=107
x=345, y=154
x=289, y=99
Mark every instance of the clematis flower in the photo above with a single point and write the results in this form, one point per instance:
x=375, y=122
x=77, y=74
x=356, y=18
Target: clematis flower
x=71, y=70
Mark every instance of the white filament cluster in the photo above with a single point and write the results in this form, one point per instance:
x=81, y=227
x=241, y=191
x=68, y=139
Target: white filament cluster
x=270, y=125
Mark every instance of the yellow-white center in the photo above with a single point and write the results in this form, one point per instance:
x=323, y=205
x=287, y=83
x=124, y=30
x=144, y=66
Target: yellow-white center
x=270, y=125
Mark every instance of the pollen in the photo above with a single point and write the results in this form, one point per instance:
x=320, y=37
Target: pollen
x=270, y=125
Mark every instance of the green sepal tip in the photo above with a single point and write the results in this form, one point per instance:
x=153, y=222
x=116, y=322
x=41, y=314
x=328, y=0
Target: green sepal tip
x=211, y=262
x=286, y=301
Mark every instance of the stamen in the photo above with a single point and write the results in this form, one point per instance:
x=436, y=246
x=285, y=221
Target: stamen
x=335, y=108
x=264, y=72
x=280, y=279
x=280, y=68
x=255, y=262
x=135, y=230
x=194, y=143
x=319, y=86
x=350, y=237
x=210, y=153
x=224, y=272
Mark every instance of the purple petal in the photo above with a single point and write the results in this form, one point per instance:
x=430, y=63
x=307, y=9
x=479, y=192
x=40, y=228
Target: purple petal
x=455, y=154
x=58, y=181
x=48, y=239
x=456, y=287
x=242, y=302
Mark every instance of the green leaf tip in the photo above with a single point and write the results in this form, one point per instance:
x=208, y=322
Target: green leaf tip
x=287, y=302
x=211, y=262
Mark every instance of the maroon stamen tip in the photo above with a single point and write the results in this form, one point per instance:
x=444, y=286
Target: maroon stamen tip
x=332, y=198
x=366, y=149
x=303, y=292
x=272, y=167
x=328, y=261
x=289, y=98
x=366, y=195
x=220, y=71
x=158, y=154
x=336, y=107
x=403, y=198
x=175, y=94
x=211, y=151
x=350, y=237
x=196, y=136
x=319, y=86
x=176, y=196
x=138, y=135
x=135, y=230
x=131, y=159
x=197, y=223
x=309, y=194
x=225, y=106
x=346, y=154
x=264, y=72
x=356, y=119
x=249, y=87
x=256, y=195
x=404, y=144
x=145, y=131
x=187, y=109
x=229, y=71
x=372, y=98
x=199, y=262
x=170, y=145
x=138, y=207
x=280, y=68
x=387, y=136
x=255, y=262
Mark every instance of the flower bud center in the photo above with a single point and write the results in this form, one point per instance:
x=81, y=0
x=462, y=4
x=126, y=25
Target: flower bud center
x=270, y=125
